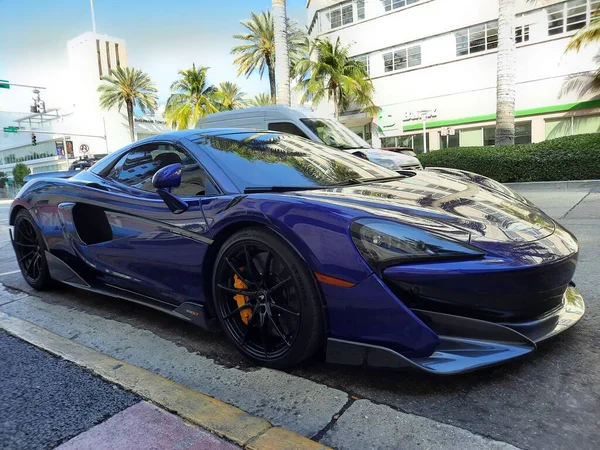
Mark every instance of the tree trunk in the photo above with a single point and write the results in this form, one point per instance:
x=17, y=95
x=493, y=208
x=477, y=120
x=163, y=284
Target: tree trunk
x=129, y=104
x=282, y=59
x=506, y=69
x=336, y=104
x=272, y=82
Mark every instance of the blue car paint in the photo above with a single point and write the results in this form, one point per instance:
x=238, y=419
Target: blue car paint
x=159, y=255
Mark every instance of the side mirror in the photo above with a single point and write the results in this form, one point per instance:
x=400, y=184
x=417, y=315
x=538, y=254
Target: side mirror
x=164, y=180
x=168, y=177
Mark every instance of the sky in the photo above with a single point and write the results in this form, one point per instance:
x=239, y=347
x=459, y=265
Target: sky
x=162, y=37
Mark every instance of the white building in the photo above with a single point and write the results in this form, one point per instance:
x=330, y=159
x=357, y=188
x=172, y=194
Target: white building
x=79, y=123
x=437, y=59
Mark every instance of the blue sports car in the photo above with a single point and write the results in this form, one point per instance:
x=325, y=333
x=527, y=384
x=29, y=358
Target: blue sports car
x=295, y=249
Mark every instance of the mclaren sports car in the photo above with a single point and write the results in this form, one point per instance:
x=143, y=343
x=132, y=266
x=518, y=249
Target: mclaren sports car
x=296, y=250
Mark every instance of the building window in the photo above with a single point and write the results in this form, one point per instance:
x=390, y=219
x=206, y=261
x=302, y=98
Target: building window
x=570, y=126
x=489, y=136
x=402, y=58
x=449, y=140
x=365, y=60
x=117, y=55
x=99, y=58
x=522, y=34
x=471, y=137
x=108, y=56
x=339, y=15
x=571, y=15
x=523, y=133
x=414, y=141
x=360, y=9
x=477, y=38
x=475, y=137
x=396, y=4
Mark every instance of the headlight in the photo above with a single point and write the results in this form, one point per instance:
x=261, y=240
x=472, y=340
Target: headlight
x=387, y=163
x=384, y=243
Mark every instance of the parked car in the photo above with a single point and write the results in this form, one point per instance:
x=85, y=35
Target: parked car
x=402, y=150
x=74, y=169
x=304, y=124
x=292, y=247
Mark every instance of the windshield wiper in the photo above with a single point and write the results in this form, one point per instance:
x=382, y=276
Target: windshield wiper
x=385, y=179
x=258, y=189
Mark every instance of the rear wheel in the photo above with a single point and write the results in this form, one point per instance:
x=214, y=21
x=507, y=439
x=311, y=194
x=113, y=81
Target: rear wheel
x=30, y=251
x=266, y=299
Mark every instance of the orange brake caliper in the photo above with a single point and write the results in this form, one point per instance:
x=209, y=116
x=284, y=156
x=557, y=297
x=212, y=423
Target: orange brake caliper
x=241, y=299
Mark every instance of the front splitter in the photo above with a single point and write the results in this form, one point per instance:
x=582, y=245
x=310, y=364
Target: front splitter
x=465, y=344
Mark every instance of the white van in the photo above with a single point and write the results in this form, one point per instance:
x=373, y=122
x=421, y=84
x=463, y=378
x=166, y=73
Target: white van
x=304, y=124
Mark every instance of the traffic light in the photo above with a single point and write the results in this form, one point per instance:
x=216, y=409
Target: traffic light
x=33, y=139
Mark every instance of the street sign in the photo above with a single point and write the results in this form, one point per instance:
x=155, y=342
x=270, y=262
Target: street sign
x=10, y=129
x=84, y=148
x=4, y=84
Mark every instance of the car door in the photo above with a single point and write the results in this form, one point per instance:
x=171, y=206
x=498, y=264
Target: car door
x=132, y=239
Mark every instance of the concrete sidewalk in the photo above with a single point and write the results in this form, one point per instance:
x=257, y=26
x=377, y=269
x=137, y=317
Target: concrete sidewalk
x=144, y=426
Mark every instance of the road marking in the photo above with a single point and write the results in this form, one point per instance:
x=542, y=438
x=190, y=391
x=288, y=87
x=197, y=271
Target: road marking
x=218, y=417
x=9, y=273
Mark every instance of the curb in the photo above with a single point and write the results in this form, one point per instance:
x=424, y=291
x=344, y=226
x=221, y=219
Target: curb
x=229, y=422
x=570, y=184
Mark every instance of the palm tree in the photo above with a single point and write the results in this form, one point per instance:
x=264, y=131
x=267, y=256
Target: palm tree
x=129, y=87
x=282, y=60
x=257, y=53
x=506, y=74
x=260, y=100
x=191, y=98
x=332, y=74
x=230, y=96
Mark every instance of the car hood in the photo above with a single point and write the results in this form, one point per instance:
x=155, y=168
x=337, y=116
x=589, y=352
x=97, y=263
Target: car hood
x=398, y=158
x=450, y=202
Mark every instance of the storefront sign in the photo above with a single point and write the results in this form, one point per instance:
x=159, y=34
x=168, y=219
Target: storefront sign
x=420, y=115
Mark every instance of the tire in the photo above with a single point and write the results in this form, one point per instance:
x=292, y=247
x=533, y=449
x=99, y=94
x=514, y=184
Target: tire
x=272, y=312
x=30, y=252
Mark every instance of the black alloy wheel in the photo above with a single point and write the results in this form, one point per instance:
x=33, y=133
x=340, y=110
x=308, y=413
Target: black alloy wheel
x=266, y=299
x=30, y=252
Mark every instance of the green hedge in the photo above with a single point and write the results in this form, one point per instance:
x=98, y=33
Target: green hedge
x=566, y=158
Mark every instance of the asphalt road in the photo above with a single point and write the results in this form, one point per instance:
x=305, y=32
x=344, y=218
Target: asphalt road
x=548, y=401
x=46, y=400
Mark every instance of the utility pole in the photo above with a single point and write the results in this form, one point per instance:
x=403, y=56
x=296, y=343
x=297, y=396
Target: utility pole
x=282, y=59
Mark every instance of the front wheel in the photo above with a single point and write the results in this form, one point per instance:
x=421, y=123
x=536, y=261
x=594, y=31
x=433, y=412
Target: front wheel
x=266, y=299
x=30, y=251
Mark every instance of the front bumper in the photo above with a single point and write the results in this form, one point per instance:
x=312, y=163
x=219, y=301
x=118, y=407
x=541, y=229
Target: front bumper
x=465, y=344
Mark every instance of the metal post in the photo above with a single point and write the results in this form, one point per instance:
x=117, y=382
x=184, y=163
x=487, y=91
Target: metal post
x=105, y=138
x=93, y=16
x=425, y=134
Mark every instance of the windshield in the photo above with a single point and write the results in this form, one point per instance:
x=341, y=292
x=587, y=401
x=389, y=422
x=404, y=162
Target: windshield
x=334, y=134
x=271, y=159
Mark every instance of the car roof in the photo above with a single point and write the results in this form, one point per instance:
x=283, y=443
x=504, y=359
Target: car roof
x=191, y=134
x=284, y=111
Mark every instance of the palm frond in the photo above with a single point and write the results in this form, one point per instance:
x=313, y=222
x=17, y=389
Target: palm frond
x=587, y=35
x=260, y=100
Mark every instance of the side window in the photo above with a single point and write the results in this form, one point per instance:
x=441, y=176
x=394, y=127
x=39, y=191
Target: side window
x=287, y=127
x=139, y=165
